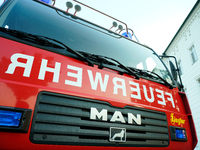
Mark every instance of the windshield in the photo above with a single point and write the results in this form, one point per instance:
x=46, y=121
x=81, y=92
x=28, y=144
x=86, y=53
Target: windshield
x=39, y=19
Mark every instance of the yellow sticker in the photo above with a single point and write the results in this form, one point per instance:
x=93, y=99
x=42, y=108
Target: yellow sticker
x=175, y=120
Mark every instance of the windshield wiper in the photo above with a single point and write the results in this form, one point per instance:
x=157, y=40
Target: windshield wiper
x=105, y=60
x=31, y=38
x=149, y=74
x=72, y=51
x=124, y=67
x=45, y=41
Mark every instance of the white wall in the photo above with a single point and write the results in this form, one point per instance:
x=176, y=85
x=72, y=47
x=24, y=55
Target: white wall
x=180, y=47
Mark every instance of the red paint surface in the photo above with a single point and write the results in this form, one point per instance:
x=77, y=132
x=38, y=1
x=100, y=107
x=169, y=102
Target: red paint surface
x=17, y=90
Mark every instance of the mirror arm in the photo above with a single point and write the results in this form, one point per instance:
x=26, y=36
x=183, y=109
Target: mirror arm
x=181, y=84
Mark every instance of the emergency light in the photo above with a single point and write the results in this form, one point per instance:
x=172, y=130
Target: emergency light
x=10, y=118
x=46, y=1
x=15, y=119
x=127, y=35
x=180, y=134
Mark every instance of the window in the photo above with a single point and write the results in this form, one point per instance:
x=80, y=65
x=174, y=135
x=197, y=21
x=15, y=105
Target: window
x=193, y=54
x=180, y=67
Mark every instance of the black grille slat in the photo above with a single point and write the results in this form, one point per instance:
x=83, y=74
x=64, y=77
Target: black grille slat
x=60, y=118
x=52, y=128
x=149, y=136
x=63, y=111
x=154, y=122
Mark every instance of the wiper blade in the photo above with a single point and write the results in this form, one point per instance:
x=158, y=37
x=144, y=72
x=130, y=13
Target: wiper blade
x=104, y=60
x=149, y=74
x=45, y=41
x=31, y=38
x=168, y=84
x=72, y=51
x=124, y=67
x=97, y=58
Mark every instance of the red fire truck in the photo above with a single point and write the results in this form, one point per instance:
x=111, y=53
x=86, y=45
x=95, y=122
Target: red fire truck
x=67, y=83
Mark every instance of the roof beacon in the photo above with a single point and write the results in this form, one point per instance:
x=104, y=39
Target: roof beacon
x=127, y=35
x=46, y=1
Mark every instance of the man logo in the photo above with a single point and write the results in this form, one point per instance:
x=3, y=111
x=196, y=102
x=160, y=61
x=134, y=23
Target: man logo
x=116, y=117
x=117, y=134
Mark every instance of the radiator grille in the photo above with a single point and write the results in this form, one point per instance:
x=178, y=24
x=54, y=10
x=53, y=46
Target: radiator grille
x=65, y=120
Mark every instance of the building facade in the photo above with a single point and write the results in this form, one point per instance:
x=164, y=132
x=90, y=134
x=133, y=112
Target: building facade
x=185, y=46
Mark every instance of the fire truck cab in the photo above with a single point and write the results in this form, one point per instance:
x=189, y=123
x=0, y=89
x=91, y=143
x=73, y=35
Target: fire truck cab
x=67, y=83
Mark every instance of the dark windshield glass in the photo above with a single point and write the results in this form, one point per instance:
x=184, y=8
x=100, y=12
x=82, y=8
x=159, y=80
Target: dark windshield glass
x=36, y=18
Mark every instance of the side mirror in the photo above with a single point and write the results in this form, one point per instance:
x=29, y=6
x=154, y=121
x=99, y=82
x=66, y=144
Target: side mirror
x=173, y=70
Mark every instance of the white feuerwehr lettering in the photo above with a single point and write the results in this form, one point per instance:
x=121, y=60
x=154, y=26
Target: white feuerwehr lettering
x=135, y=89
x=44, y=69
x=98, y=79
x=14, y=63
x=117, y=86
x=170, y=98
x=77, y=75
x=95, y=80
x=161, y=96
x=146, y=96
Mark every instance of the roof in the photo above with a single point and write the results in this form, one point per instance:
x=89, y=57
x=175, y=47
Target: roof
x=187, y=18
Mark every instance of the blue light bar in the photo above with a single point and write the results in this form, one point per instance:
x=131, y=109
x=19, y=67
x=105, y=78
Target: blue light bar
x=10, y=118
x=127, y=35
x=46, y=1
x=180, y=134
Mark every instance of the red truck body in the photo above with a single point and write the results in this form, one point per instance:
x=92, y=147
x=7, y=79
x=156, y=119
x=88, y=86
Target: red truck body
x=68, y=104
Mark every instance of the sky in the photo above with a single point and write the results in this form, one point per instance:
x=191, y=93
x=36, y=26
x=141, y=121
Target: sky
x=154, y=22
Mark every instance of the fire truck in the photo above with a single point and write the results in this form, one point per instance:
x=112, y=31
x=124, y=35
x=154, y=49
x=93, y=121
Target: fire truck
x=68, y=83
